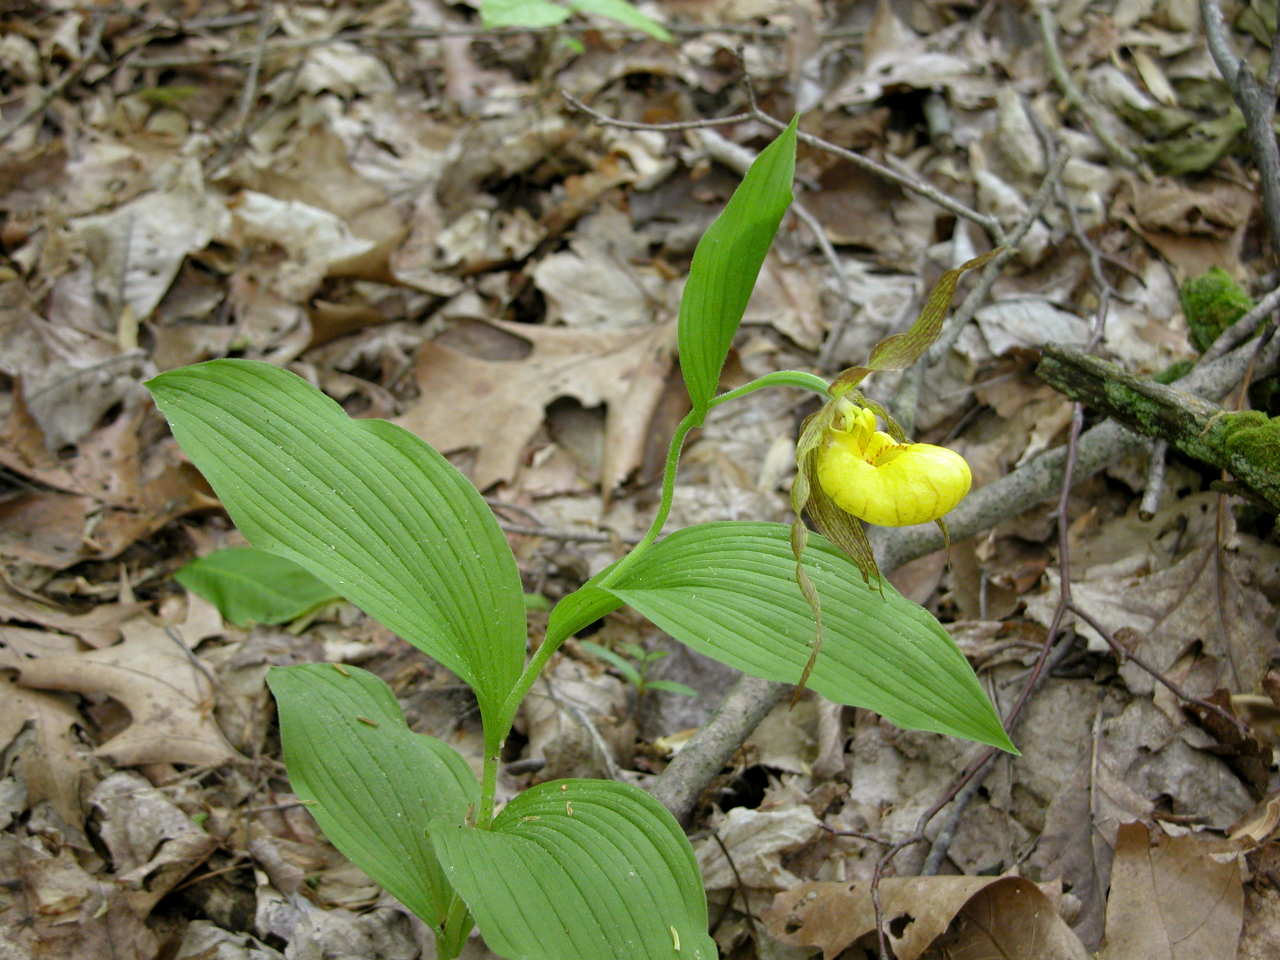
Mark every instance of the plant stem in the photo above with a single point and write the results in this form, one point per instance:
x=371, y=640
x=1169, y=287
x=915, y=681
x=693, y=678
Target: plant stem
x=457, y=927
x=780, y=378
x=494, y=738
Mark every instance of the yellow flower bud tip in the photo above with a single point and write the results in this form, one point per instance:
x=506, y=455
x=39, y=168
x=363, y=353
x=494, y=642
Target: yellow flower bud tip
x=870, y=475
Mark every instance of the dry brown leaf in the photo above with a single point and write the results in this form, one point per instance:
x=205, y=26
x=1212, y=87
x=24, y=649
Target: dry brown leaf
x=976, y=917
x=58, y=910
x=153, y=843
x=1172, y=609
x=756, y=841
x=497, y=406
x=1173, y=898
x=167, y=691
x=120, y=488
x=50, y=763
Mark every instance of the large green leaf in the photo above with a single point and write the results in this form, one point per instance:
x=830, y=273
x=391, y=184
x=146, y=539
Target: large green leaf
x=581, y=870
x=726, y=263
x=362, y=504
x=248, y=585
x=624, y=13
x=374, y=786
x=729, y=590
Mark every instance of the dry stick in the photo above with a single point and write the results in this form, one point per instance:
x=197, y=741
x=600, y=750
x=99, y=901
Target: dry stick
x=748, y=701
x=1123, y=654
x=239, y=128
x=740, y=888
x=907, y=401
x=1092, y=112
x=72, y=72
x=910, y=184
x=608, y=121
x=1153, y=488
x=1258, y=104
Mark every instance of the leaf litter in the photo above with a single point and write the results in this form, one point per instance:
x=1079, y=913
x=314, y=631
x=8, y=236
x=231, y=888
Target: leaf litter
x=417, y=223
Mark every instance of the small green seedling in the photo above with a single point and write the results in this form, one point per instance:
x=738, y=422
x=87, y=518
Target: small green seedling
x=571, y=869
x=637, y=674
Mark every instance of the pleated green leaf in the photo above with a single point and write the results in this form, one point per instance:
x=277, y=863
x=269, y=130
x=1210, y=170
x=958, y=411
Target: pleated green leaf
x=581, y=870
x=248, y=585
x=363, y=505
x=729, y=590
x=624, y=13
x=374, y=786
x=725, y=265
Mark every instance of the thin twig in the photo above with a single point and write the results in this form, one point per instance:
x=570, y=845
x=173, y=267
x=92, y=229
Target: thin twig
x=90, y=52
x=1153, y=489
x=568, y=536
x=910, y=184
x=1123, y=654
x=606, y=121
x=1092, y=112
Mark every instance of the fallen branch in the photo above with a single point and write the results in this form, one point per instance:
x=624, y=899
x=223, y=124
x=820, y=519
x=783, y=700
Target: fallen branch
x=1197, y=427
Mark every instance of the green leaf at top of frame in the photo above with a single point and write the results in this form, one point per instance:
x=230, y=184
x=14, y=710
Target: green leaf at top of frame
x=373, y=785
x=624, y=13
x=363, y=505
x=726, y=263
x=581, y=870
x=529, y=14
x=248, y=585
x=728, y=590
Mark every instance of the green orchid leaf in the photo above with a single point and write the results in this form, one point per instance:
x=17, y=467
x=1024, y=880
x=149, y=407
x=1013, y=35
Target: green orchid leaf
x=363, y=505
x=530, y=14
x=374, y=786
x=621, y=664
x=576, y=610
x=729, y=590
x=580, y=870
x=726, y=263
x=252, y=586
x=625, y=14
x=672, y=686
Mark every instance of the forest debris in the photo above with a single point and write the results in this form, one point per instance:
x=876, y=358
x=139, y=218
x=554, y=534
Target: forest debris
x=168, y=693
x=1173, y=898
x=623, y=369
x=1246, y=443
x=978, y=916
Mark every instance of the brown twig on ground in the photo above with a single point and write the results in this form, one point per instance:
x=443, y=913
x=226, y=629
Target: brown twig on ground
x=910, y=184
x=1123, y=654
x=91, y=50
x=249, y=93
x=1091, y=111
x=607, y=121
x=1153, y=490
x=747, y=703
x=1258, y=104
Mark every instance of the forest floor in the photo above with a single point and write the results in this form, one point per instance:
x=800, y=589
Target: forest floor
x=447, y=226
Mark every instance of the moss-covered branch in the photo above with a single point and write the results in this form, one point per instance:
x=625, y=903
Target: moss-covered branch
x=1246, y=444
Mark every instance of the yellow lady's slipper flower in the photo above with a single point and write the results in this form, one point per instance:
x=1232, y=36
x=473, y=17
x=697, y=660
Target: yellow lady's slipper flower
x=872, y=476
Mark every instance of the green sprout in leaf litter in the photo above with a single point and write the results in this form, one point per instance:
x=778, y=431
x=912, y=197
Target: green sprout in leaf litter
x=571, y=869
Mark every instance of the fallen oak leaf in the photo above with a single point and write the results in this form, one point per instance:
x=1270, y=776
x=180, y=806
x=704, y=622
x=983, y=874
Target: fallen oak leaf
x=625, y=370
x=168, y=694
x=973, y=916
